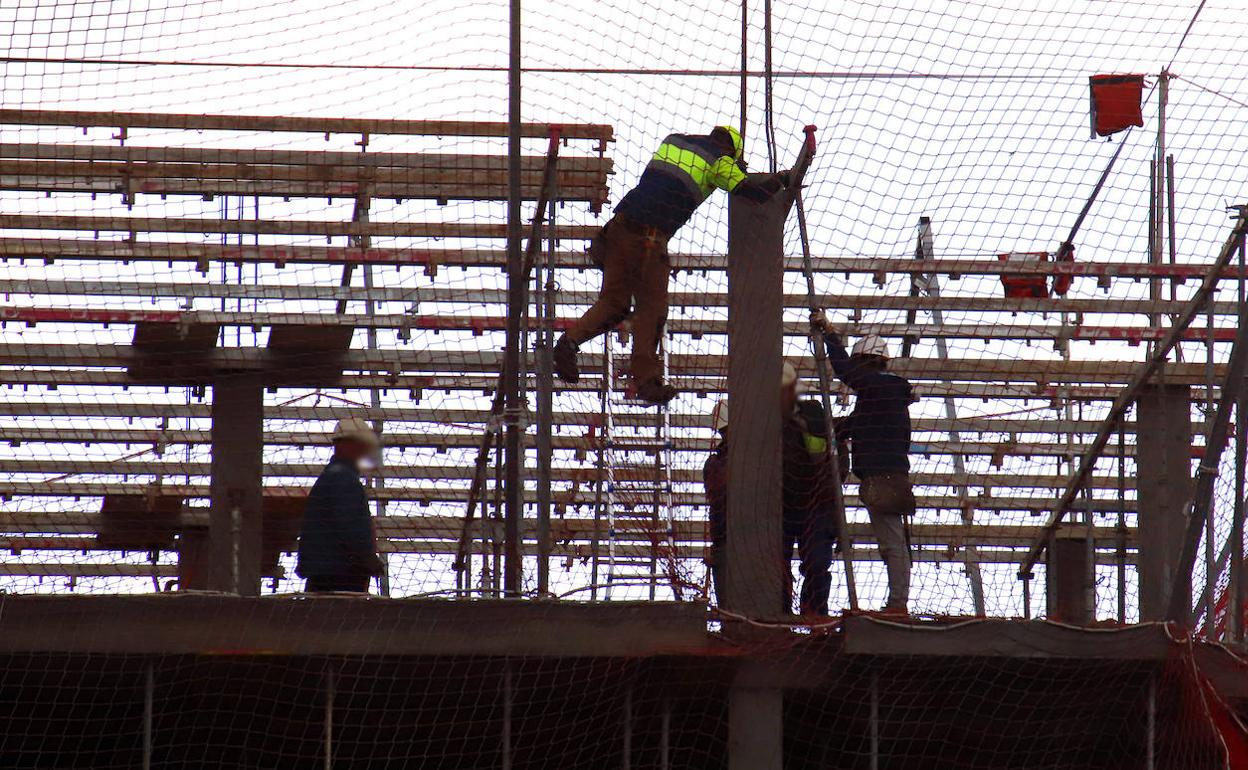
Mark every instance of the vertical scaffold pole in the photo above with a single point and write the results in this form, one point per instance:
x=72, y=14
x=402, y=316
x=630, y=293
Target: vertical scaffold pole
x=825, y=390
x=514, y=446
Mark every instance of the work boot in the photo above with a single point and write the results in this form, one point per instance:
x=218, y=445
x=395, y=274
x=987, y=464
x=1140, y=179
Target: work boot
x=565, y=360
x=655, y=391
x=895, y=609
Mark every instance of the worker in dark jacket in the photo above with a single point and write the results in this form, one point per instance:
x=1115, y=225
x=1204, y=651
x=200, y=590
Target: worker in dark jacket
x=337, y=548
x=715, y=482
x=879, y=435
x=809, y=520
x=632, y=247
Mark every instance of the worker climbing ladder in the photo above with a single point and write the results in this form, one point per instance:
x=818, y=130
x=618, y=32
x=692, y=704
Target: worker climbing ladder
x=635, y=501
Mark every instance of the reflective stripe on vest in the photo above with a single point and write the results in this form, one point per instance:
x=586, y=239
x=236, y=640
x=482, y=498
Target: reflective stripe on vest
x=816, y=445
x=699, y=170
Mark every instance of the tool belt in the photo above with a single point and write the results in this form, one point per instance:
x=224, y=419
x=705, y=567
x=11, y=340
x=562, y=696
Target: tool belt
x=597, y=250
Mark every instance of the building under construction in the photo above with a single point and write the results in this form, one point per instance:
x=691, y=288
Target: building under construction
x=204, y=274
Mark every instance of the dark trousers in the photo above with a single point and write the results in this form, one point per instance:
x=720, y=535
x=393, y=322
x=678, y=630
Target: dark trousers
x=634, y=279
x=318, y=584
x=815, y=539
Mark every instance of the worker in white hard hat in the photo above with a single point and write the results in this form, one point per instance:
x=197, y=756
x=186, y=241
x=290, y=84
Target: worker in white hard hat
x=337, y=547
x=715, y=483
x=879, y=434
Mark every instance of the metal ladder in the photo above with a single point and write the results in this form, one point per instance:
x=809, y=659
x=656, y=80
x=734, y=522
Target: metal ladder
x=636, y=501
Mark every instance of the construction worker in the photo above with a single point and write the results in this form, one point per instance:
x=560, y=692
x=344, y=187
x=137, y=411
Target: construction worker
x=632, y=247
x=715, y=482
x=809, y=520
x=879, y=433
x=806, y=509
x=337, y=548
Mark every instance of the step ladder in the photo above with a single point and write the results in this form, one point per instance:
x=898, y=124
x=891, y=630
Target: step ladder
x=635, y=500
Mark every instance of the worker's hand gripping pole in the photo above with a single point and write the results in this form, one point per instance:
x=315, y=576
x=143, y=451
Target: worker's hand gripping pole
x=825, y=386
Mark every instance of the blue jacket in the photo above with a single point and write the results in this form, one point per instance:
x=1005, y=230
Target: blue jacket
x=879, y=427
x=337, y=534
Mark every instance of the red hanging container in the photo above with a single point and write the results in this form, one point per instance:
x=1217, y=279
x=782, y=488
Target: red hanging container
x=1025, y=285
x=1116, y=103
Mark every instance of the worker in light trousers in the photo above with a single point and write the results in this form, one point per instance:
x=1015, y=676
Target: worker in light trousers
x=879, y=434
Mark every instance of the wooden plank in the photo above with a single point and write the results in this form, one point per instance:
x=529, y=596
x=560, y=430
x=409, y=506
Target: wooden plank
x=337, y=161
x=414, y=190
x=77, y=118
x=274, y=227
x=456, y=171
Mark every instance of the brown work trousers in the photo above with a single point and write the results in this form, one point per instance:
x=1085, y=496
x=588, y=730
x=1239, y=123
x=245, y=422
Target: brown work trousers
x=635, y=269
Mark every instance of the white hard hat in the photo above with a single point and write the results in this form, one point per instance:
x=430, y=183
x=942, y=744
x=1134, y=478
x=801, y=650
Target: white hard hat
x=788, y=377
x=356, y=429
x=719, y=415
x=871, y=345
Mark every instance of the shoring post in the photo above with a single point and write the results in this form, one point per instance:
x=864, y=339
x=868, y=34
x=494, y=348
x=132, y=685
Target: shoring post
x=149, y=707
x=508, y=698
x=665, y=734
x=328, y=735
x=875, y=721
x=626, y=734
x=513, y=491
x=1150, y=748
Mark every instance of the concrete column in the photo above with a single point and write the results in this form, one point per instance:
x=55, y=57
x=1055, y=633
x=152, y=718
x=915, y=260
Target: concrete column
x=236, y=488
x=1164, y=485
x=754, y=576
x=755, y=728
x=1068, y=578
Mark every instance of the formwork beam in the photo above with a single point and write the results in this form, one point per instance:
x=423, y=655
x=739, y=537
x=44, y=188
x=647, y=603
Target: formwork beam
x=479, y=324
x=441, y=442
x=78, y=248
x=63, y=530
x=624, y=472
x=446, y=295
x=938, y=554
x=444, y=493
x=481, y=361
x=108, y=410
x=414, y=385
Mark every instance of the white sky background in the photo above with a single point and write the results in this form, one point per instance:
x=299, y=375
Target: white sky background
x=999, y=157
